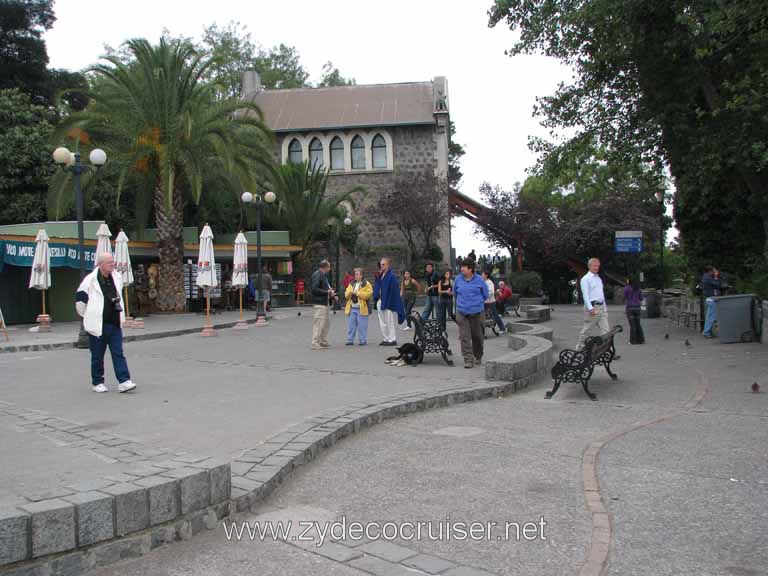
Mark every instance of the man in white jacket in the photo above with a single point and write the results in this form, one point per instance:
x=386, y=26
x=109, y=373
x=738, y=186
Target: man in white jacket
x=99, y=301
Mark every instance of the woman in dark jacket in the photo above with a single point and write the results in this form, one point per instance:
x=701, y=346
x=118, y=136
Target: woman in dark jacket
x=633, y=300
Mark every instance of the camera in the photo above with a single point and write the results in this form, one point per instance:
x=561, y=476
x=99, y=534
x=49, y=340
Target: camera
x=354, y=298
x=116, y=303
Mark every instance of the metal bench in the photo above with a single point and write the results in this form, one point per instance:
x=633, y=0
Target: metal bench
x=578, y=365
x=489, y=323
x=430, y=337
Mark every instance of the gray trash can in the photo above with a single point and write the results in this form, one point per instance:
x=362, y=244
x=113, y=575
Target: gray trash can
x=736, y=318
x=651, y=304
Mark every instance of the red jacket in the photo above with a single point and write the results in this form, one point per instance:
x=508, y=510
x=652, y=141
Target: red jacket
x=504, y=295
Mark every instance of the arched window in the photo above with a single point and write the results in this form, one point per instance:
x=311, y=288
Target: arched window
x=316, y=154
x=379, y=149
x=358, y=153
x=337, y=154
x=294, y=152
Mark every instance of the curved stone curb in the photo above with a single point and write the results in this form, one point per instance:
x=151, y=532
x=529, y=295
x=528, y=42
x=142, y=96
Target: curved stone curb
x=596, y=563
x=535, y=314
x=530, y=330
x=530, y=354
x=256, y=473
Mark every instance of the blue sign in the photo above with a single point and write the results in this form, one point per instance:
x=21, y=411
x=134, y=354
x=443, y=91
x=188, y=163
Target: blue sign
x=629, y=245
x=23, y=253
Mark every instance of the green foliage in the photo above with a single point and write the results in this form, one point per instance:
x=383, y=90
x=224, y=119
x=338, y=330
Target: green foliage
x=25, y=164
x=526, y=284
x=304, y=206
x=455, y=152
x=671, y=82
x=159, y=122
x=331, y=76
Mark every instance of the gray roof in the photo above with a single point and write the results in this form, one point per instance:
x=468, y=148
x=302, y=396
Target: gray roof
x=346, y=106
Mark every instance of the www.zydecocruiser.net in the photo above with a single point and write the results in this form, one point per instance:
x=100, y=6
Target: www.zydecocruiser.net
x=343, y=530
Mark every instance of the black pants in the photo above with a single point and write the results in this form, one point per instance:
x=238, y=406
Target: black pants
x=636, y=335
x=408, y=309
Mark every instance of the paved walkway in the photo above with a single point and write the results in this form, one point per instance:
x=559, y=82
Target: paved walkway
x=677, y=447
x=196, y=396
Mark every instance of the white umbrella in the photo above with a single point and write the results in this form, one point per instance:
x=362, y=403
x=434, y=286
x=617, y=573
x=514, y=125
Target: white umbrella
x=103, y=246
x=40, y=278
x=240, y=270
x=123, y=268
x=206, y=273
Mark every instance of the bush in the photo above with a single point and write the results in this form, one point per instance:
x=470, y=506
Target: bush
x=526, y=284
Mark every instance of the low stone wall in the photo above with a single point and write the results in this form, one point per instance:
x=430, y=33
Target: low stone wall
x=107, y=521
x=530, y=355
x=535, y=313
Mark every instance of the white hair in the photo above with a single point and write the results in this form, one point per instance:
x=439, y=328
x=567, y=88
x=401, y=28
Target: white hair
x=589, y=263
x=102, y=256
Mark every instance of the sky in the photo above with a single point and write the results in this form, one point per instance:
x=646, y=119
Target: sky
x=491, y=95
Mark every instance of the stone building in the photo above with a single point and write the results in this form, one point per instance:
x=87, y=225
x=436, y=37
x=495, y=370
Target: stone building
x=365, y=135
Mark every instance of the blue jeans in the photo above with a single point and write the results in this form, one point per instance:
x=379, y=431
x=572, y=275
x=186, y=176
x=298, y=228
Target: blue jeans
x=494, y=314
x=111, y=336
x=711, y=317
x=431, y=305
x=357, y=323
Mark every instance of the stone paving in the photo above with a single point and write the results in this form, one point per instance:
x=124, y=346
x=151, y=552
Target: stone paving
x=678, y=445
x=495, y=460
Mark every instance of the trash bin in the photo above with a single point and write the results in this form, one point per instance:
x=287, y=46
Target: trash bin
x=736, y=318
x=652, y=304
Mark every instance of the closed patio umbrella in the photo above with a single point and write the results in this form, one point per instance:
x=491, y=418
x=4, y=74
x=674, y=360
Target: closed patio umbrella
x=103, y=245
x=240, y=272
x=40, y=278
x=206, y=274
x=123, y=268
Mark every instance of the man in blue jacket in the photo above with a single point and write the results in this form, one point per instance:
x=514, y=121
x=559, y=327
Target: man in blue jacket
x=470, y=292
x=386, y=292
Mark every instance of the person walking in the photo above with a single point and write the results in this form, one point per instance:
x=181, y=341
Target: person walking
x=431, y=281
x=99, y=301
x=471, y=293
x=595, y=312
x=409, y=288
x=390, y=306
x=633, y=301
x=445, y=291
x=490, y=302
x=322, y=297
x=358, y=295
x=711, y=286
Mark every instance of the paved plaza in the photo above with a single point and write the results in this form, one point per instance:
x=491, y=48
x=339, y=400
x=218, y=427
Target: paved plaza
x=678, y=448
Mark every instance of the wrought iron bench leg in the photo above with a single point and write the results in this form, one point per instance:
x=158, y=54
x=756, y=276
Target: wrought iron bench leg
x=611, y=374
x=552, y=392
x=585, y=385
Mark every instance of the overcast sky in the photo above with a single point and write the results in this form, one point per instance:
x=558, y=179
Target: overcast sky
x=491, y=95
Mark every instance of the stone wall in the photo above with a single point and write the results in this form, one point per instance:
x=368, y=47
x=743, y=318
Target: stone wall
x=414, y=150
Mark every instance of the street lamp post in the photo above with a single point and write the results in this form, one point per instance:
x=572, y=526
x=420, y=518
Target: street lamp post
x=70, y=162
x=519, y=214
x=249, y=198
x=660, y=196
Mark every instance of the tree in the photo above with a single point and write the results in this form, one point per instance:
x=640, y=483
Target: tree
x=26, y=164
x=23, y=58
x=455, y=152
x=281, y=68
x=162, y=125
x=669, y=81
x=332, y=77
x=417, y=204
x=304, y=205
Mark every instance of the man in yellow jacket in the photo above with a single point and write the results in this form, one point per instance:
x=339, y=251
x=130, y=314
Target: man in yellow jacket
x=358, y=295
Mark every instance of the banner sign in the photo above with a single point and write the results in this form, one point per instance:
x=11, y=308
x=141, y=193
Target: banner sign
x=23, y=253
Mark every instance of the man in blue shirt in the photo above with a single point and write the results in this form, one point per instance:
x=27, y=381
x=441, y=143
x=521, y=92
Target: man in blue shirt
x=470, y=292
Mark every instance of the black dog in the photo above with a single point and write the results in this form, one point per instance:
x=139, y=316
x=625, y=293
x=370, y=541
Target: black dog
x=410, y=353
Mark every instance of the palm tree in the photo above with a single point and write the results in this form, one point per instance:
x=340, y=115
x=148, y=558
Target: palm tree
x=304, y=205
x=164, y=127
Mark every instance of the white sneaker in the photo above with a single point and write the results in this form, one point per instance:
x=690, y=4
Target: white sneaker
x=126, y=386
x=100, y=388
x=406, y=328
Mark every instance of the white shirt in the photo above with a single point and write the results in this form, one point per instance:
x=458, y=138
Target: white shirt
x=592, y=289
x=491, y=292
